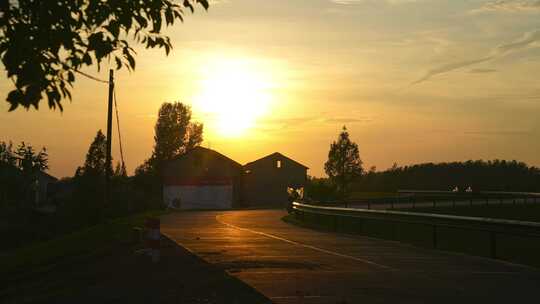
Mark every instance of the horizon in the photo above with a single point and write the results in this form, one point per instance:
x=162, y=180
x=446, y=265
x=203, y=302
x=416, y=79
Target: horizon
x=413, y=81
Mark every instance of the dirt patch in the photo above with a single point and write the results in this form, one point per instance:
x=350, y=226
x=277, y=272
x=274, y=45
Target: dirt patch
x=124, y=277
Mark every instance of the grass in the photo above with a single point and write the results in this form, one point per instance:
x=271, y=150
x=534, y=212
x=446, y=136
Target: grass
x=520, y=211
x=92, y=241
x=99, y=265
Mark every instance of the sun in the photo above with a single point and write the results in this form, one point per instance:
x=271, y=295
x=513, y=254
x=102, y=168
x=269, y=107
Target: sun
x=233, y=95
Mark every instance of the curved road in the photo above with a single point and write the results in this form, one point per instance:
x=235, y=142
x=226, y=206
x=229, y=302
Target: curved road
x=289, y=264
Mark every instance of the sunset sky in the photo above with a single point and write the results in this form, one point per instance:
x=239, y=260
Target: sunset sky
x=413, y=80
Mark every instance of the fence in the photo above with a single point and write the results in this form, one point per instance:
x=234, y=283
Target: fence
x=516, y=241
x=422, y=198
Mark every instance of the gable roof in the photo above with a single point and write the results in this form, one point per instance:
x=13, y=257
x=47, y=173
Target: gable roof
x=208, y=153
x=273, y=155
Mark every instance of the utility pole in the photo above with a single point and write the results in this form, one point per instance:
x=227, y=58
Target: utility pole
x=108, y=163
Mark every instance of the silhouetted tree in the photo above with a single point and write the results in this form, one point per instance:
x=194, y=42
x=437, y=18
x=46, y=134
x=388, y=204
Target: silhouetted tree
x=320, y=189
x=344, y=163
x=88, y=183
x=19, y=170
x=95, y=163
x=120, y=170
x=7, y=156
x=44, y=43
x=29, y=161
x=175, y=133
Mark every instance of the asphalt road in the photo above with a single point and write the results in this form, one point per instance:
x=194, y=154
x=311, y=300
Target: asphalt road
x=289, y=264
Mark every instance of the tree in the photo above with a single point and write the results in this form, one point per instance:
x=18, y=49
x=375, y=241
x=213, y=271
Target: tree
x=95, y=163
x=120, y=170
x=7, y=156
x=175, y=133
x=19, y=170
x=43, y=44
x=344, y=163
x=29, y=161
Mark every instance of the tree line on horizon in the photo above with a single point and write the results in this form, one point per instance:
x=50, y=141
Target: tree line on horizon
x=347, y=176
x=480, y=175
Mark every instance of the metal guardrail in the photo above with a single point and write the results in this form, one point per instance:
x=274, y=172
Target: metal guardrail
x=494, y=228
x=411, y=198
x=530, y=194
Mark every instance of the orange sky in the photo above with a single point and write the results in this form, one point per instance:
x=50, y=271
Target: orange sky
x=414, y=81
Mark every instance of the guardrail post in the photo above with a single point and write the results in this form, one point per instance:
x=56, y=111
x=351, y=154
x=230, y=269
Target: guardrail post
x=361, y=226
x=434, y=236
x=514, y=201
x=453, y=202
x=470, y=201
x=500, y=200
x=493, y=244
x=487, y=200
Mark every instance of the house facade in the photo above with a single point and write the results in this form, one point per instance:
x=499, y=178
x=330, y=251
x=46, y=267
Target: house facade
x=202, y=179
x=266, y=180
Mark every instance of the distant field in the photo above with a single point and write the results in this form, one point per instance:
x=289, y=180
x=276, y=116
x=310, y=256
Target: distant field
x=520, y=211
x=366, y=195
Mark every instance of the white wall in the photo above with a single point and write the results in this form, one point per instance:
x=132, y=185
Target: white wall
x=199, y=197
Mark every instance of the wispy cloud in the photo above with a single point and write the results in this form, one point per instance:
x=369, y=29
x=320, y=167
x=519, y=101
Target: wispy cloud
x=508, y=6
x=499, y=132
x=525, y=41
x=291, y=122
x=482, y=71
x=448, y=68
x=347, y=120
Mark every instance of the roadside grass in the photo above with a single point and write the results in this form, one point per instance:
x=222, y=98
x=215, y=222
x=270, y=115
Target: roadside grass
x=519, y=211
x=85, y=243
x=99, y=265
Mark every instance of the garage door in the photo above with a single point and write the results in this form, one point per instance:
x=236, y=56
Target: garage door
x=199, y=194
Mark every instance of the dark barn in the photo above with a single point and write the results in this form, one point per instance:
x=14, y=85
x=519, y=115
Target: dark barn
x=266, y=180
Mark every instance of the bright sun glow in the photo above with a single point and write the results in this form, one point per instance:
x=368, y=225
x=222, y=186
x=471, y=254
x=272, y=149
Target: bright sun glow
x=233, y=95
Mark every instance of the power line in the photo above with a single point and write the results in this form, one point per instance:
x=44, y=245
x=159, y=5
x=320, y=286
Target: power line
x=116, y=110
x=118, y=126
x=91, y=77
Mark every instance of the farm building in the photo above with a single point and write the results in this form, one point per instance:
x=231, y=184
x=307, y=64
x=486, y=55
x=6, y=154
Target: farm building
x=266, y=180
x=202, y=179
x=44, y=184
